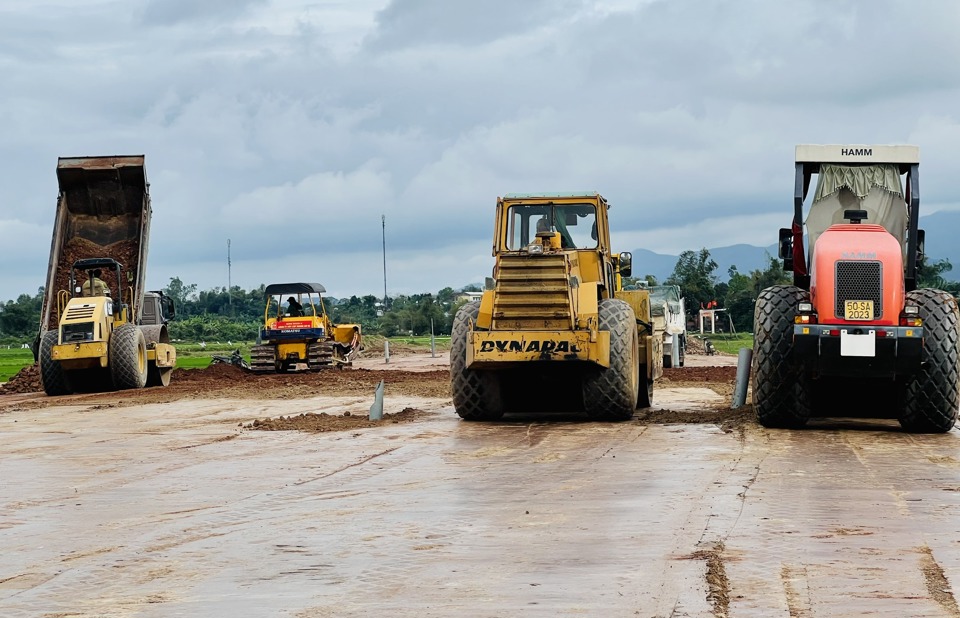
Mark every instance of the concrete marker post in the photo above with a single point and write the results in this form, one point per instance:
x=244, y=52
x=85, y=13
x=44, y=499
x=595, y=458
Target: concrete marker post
x=376, y=410
x=386, y=351
x=743, y=377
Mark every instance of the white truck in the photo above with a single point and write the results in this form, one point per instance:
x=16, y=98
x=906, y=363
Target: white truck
x=669, y=318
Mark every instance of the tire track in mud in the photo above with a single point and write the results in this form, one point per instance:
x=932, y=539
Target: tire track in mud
x=936, y=582
x=500, y=450
x=166, y=532
x=796, y=590
x=348, y=466
x=718, y=586
x=718, y=523
x=715, y=576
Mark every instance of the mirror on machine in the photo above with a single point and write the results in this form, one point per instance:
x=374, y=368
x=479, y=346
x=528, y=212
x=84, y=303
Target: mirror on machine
x=786, y=243
x=626, y=263
x=785, y=248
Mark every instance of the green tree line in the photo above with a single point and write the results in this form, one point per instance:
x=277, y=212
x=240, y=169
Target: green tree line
x=236, y=314
x=695, y=273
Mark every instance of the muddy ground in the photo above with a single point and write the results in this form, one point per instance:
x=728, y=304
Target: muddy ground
x=410, y=375
x=228, y=494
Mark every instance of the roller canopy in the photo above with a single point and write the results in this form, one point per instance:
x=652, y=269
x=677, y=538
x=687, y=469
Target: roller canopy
x=873, y=188
x=294, y=288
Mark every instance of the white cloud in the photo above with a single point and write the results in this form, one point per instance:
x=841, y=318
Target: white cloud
x=291, y=126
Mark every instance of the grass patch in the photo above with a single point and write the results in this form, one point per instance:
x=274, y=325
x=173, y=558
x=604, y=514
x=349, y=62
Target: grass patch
x=12, y=361
x=189, y=356
x=194, y=349
x=730, y=344
x=423, y=341
x=193, y=362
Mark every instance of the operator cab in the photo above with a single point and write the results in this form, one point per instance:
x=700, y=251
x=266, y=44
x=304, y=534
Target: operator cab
x=573, y=225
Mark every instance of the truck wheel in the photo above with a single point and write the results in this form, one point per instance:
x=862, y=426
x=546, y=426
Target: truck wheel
x=612, y=393
x=128, y=357
x=683, y=347
x=52, y=375
x=476, y=393
x=931, y=397
x=779, y=397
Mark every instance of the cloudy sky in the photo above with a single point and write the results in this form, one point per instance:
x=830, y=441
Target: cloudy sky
x=291, y=126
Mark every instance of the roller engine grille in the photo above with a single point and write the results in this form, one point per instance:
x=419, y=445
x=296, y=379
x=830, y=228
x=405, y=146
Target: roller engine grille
x=859, y=281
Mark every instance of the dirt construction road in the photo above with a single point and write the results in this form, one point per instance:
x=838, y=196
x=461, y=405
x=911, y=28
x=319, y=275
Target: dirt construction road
x=173, y=502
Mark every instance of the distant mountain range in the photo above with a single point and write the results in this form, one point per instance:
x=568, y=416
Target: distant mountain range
x=745, y=257
x=943, y=241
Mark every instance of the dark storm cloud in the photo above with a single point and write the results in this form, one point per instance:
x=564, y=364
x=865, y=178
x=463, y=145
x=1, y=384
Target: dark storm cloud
x=169, y=12
x=291, y=126
x=415, y=23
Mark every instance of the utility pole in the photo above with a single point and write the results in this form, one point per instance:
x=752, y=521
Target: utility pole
x=383, y=223
x=229, y=283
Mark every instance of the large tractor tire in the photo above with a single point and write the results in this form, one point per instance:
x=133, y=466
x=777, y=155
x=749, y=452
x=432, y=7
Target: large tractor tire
x=52, y=375
x=476, y=393
x=931, y=398
x=780, y=395
x=612, y=393
x=128, y=357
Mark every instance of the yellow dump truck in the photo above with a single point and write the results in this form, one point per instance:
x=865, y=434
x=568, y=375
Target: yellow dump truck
x=554, y=329
x=100, y=330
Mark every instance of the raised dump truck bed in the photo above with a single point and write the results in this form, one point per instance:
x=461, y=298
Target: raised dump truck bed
x=103, y=210
x=95, y=331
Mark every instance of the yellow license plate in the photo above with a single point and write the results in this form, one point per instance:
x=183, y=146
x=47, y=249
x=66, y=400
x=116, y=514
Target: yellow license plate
x=858, y=309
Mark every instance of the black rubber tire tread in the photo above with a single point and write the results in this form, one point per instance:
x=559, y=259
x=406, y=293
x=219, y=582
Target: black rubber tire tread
x=128, y=357
x=683, y=349
x=52, y=375
x=476, y=393
x=932, y=397
x=780, y=394
x=158, y=376
x=611, y=393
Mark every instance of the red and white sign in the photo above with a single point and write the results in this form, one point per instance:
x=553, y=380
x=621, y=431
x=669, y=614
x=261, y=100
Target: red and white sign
x=294, y=324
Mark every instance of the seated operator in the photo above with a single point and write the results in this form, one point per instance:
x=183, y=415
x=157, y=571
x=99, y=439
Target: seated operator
x=94, y=285
x=294, y=308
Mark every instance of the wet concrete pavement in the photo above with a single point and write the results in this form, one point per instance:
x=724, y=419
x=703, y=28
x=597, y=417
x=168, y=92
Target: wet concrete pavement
x=172, y=510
